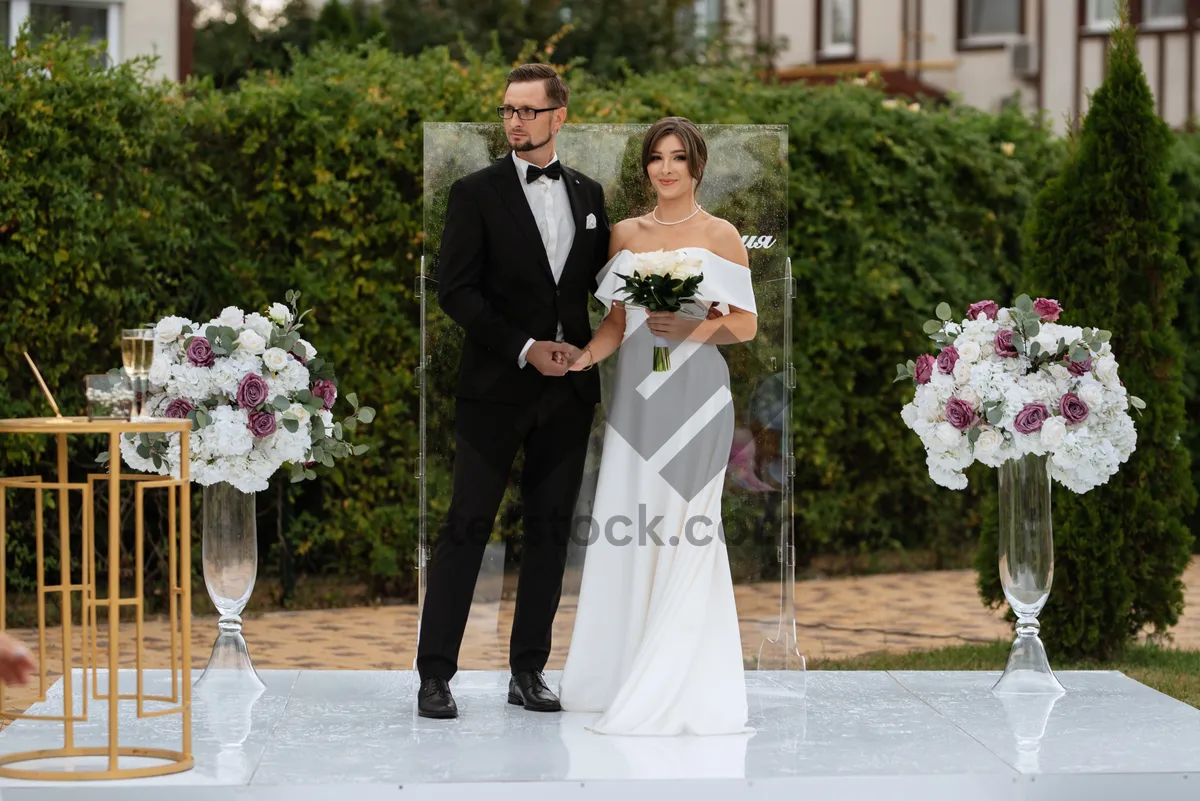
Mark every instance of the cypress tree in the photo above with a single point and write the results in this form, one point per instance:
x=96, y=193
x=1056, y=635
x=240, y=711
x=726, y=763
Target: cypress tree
x=1102, y=239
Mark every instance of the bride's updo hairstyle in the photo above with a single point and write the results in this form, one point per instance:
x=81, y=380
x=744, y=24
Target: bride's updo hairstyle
x=693, y=144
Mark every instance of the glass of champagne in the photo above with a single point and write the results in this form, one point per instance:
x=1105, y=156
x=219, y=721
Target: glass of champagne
x=137, y=354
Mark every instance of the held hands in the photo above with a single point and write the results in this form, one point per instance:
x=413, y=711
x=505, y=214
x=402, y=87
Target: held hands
x=551, y=358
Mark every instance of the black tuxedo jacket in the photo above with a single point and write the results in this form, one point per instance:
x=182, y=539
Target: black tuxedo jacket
x=494, y=280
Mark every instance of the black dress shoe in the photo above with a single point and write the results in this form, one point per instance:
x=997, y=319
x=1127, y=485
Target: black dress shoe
x=435, y=701
x=528, y=689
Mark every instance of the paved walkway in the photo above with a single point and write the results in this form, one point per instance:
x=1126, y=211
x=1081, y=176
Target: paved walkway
x=837, y=618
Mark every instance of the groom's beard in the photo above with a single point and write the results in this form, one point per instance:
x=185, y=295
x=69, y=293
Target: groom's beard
x=529, y=145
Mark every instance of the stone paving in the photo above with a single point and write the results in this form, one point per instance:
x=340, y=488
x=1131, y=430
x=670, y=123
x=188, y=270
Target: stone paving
x=837, y=618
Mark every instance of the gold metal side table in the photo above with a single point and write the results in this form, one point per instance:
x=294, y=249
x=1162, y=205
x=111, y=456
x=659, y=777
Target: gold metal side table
x=87, y=628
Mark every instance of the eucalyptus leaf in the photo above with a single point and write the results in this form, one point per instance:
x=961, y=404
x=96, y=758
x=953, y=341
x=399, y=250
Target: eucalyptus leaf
x=1034, y=349
x=366, y=414
x=943, y=311
x=1025, y=303
x=352, y=399
x=309, y=474
x=359, y=450
x=291, y=425
x=973, y=435
x=1104, y=336
x=931, y=326
x=995, y=415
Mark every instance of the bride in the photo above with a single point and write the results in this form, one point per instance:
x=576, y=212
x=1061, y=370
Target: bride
x=656, y=646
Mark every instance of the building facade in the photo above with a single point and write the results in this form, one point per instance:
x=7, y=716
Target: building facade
x=1046, y=55
x=130, y=28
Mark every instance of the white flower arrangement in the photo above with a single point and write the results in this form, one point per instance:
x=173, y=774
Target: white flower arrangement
x=662, y=280
x=1008, y=382
x=257, y=393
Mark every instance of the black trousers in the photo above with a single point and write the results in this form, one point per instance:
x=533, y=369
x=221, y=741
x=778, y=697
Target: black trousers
x=554, y=435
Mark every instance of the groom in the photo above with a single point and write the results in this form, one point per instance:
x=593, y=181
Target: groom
x=523, y=242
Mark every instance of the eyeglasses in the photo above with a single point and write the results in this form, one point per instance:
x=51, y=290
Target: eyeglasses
x=506, y=112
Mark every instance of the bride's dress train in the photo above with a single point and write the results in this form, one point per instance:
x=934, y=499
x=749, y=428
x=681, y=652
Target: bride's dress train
x=656, y=646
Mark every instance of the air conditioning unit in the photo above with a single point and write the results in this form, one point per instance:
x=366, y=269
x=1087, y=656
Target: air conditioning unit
x=1025, y=58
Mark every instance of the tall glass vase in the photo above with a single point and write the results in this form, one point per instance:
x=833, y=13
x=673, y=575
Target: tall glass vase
x=1026, y=571
x=230, y=557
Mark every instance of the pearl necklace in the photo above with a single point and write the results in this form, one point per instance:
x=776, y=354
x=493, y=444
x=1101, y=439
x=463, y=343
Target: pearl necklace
x=654, y=214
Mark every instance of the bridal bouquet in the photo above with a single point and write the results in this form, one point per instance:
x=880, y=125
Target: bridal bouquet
x=1007, y=382
x=258, y=395
x=662, y=280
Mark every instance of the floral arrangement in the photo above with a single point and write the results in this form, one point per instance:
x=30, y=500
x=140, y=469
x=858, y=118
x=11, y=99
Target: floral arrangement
x=662, y=280
x=1007, y=382
x=258, y=395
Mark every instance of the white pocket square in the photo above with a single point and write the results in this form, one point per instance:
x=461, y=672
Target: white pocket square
x=591, y=221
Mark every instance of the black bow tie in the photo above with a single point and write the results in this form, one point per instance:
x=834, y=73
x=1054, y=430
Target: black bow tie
x=552, y=171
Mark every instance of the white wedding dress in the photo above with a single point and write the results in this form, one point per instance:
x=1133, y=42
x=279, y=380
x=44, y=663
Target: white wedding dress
x=656, y=646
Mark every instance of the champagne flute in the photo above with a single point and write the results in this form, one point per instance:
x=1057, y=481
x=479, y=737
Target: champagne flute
x=137, y=354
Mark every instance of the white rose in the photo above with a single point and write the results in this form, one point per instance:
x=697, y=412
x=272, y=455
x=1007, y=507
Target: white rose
x=1106, y=371
x=232, y=316
x=280, y=313
x=969, y=351
x=308, y=350
x=962, y=372
x=1058, y=372
x=988, y=441
x=1003, y=316
x=1092, y=394
x=969, y=394
x=1053, y=431
x=275, y=359
x=948, y=434
x=169, y=329
x=259, y=324
x=299, y=412
x=251, y=342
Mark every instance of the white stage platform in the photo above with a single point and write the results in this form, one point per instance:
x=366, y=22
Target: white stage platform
x=853, y=735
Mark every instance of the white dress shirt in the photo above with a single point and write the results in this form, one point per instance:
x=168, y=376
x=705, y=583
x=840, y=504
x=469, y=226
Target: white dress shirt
x=552, y=211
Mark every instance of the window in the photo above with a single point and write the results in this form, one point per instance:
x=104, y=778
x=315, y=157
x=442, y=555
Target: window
x=87, y=21
x=1101, y=14
x=97, y=20
x=837, y=28
x=990, y=19
x=1169, y=13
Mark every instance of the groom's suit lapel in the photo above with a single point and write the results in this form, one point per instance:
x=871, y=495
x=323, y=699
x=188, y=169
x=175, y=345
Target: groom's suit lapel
x=508, y=183
x=578, y=212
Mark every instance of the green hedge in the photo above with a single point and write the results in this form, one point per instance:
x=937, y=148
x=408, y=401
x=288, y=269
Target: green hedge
x=313, y=181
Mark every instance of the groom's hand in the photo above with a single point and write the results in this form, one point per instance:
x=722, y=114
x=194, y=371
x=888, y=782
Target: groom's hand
x=550, y=358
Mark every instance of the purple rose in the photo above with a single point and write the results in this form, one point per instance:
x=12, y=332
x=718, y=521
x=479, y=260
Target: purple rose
x=326, y=391
x=947, y=359
x=179, y=409
x=1080, y=369
x=1030, y=418
x=200, y=353
x=1047, y=309
x=1004, y=345
x=988, y=307
x=960, y=414
x=252, y=392
x=262, y=424
x=924, y=368
x=1073, y=409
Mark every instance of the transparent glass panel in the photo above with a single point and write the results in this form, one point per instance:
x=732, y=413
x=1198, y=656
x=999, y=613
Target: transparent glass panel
x=746, y=182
